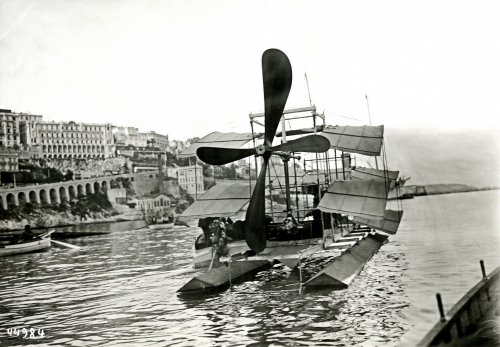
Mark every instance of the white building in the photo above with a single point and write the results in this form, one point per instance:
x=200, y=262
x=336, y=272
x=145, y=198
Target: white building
x=8, y=160
x=190, y=178
x=74, y=140
x=17, y=129
x=117, y=195
x=131, y=136
x=155, y=206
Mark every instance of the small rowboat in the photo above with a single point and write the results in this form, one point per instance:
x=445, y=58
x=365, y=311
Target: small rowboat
x=36, y=245
x=472, y=320
x=157, y=226
x=69, y=234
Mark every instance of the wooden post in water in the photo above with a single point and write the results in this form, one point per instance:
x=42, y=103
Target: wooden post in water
x=440, y=307
x=485, y=277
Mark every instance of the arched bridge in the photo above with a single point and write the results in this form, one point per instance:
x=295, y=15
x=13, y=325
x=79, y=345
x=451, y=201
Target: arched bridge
x=59, y=192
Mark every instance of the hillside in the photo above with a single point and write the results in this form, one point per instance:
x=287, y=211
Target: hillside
x=91, y=208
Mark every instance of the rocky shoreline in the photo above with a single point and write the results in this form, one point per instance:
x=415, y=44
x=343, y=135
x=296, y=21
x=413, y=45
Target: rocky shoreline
x=51, y=219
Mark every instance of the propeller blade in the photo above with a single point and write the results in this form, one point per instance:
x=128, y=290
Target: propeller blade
x=277, y=78
x=255, y=226
x=311, y=143
x=221, y=156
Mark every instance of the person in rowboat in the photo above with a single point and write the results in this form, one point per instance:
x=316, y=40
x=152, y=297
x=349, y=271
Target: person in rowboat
x=28, y=233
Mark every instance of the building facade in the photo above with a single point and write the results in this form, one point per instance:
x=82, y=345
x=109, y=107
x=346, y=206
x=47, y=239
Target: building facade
x=34, y=138
x=158, y=140
x=125, y=136
x=117, y=195
x=74, y=140
x=18, y=130
x=154, y=207
x=190, y=178
x=8, y=160
x=176, y=146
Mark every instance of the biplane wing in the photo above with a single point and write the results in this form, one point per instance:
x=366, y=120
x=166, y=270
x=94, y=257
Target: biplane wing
x=217, y=139
x=222, y=200
x=366, y=140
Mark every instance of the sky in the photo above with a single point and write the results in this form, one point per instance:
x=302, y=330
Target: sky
x=189, y=67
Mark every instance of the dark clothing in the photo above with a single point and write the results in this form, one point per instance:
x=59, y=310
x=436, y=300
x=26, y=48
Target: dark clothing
x=27, y=234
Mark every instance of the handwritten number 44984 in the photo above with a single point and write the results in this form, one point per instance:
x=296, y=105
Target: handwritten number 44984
x=26, y=333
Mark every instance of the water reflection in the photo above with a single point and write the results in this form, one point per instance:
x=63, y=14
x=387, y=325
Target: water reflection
x=120, y=289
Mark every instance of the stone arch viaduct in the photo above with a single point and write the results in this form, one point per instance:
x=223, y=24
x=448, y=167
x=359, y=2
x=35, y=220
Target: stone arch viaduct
x=63, y=191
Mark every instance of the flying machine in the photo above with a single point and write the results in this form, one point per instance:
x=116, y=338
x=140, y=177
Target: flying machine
x=337, y=211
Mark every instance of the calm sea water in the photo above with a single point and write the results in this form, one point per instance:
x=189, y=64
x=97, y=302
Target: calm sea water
x=120, y=288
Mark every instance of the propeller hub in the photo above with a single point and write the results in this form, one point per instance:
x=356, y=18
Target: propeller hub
x=260, y=150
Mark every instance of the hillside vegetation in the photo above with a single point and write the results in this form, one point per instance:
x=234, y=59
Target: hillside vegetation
x=89, y=208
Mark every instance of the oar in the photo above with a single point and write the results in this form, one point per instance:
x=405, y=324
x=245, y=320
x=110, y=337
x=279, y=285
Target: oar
x=64, y=244
x=46, y=234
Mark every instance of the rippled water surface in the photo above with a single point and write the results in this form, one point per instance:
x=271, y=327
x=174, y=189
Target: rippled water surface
x=120, y=288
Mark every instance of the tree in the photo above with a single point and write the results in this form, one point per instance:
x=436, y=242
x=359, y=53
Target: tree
x=230, y=172
x=208, y=170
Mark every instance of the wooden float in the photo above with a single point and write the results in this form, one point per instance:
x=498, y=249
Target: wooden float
x=343, y=269
x=479, y=307
x=202, y=257
x=337, y=275
x=223, y=276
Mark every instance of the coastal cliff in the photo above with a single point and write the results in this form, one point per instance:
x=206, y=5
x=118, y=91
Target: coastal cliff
x=88, y=210
x=54, y=219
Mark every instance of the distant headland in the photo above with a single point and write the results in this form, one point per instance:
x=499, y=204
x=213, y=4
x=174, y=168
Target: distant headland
x=408, y=192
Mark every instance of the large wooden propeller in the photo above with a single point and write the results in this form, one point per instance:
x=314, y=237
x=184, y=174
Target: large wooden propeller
x=277, y=78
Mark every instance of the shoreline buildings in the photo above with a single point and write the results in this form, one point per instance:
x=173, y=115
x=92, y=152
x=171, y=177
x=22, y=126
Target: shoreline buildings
x=34, y=138
x=93, y=150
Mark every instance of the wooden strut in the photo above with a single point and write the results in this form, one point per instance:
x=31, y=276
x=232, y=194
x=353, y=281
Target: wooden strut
x=229, y=272
x=291, y=110
x=370, y=120
x=300, y=274
x=214, y=252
